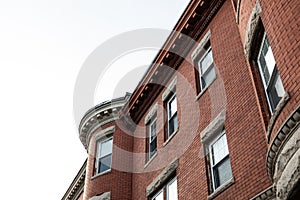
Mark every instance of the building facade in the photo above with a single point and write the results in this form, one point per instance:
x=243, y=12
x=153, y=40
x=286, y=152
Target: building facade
x=216, y=116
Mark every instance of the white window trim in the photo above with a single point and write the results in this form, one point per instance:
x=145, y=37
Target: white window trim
x=150, y=131
x=171, y=88
x=211, y=159
x=207, y=70
x=274, y=73
x=168, y=112
x=167, y=187
x=158, y=193
x=99, y=142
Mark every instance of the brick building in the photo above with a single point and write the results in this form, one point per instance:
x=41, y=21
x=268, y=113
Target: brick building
x=216, y=116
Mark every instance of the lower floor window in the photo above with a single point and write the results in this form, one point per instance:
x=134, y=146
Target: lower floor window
x=168, y=192
x=219, y=161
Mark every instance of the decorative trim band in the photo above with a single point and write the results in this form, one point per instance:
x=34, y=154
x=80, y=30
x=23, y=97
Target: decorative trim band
x=277, y=143
x=77, y=185
x=162, y=178
x=269, y=193
x=98, y=116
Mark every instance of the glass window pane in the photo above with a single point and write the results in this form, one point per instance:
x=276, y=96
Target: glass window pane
x=159, y=196
x=172, y=107
x=206, y=61
x=172, y=191
x=153, y=146
x=222, y=172
x=208, y=77
x=153, y=130
x=275, y=91
x=173, y=124
x=104, y=164
x=106, y=148
x=219, y=149
x=270, y=60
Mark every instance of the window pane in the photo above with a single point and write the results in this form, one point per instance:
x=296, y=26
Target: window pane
x=275, y=91
x=106, y=148
x=153, y=146
x=219, y=149
x=104, y=164
x=160, y=196
x=173, y=124
x=270, y=60
x=206, y=61
x=222, y=172
x=172, y=191
x=172, y=107
x=153, y=130
x=208, y=77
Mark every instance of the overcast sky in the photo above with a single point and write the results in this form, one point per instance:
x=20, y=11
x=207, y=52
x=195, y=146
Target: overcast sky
x=43, y=45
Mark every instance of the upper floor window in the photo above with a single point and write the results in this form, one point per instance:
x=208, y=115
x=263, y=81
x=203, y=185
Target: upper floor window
x=270, y=76
x=219, y=161
x=172, y=115
x=206, y=67
x=152, y=138
x=104, y=155
x=170, y=191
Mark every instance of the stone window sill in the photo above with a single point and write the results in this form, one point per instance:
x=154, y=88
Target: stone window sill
x=221, y=189
x=100, y=174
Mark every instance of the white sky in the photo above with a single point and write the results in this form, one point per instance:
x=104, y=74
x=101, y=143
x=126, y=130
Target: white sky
x=43, y=44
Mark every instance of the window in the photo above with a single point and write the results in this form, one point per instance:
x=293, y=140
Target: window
x=172, y=115
x=206, y=67
x=104, y=155
x=159, y=196
x=219, y=161
x=269, y=74
x=170, y=189
x=152, y=138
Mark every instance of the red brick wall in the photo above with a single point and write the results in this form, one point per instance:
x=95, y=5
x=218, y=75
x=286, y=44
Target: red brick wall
x=118, y=181
x=244, y=128
x=281, y=20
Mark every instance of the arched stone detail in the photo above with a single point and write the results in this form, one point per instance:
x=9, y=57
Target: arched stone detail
x=289, y=178
x=283, y=146
x=252, y=27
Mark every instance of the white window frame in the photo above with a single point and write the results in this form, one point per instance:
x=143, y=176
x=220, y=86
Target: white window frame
x=212, y=67
x=99, y=158
x=273, y=75
x=154, y=121
x=167, y=188
x=172, y=97
x=212, y=165
x=158, y=193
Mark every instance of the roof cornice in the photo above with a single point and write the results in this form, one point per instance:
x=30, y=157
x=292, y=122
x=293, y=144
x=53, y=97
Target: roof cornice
x=77, y=185
x=191, y=25
x=98, y=116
